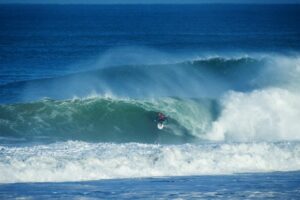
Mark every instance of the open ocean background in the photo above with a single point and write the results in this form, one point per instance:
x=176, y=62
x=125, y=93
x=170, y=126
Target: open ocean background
x=81, y=85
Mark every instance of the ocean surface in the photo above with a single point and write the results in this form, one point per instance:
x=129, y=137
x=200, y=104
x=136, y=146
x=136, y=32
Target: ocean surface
x=81, y=87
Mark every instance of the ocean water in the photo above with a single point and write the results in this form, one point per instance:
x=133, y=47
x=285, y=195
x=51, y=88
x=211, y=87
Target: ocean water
x=81, y=87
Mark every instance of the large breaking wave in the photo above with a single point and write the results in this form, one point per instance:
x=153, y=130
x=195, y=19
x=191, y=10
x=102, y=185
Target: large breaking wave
x=226, y=115
x=262, y=115
x=215, y=98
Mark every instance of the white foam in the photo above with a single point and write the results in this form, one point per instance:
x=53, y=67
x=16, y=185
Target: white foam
x=262, y=115
x=77, y=161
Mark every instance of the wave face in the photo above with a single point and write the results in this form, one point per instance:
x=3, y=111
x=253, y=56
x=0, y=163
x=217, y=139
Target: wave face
x=107, y=120
x=261, y=115
x=93, y=161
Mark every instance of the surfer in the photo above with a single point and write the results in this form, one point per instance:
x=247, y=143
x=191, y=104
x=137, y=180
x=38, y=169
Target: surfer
x=161, y=118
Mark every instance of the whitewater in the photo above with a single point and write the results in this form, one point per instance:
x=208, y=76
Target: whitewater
x=94, y=161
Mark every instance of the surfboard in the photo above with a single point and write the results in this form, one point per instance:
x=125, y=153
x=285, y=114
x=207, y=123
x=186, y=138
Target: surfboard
x=160, y=126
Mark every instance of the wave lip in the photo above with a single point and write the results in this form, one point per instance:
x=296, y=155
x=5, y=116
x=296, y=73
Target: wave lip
x=93, y=161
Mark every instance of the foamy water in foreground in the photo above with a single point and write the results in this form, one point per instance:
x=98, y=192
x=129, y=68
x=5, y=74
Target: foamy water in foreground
x=79, y=161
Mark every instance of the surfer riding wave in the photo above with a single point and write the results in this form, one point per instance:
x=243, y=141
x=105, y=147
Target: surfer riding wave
x=161, y=118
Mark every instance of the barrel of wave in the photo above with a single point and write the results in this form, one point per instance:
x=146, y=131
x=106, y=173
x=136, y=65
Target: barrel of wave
x=101, y=120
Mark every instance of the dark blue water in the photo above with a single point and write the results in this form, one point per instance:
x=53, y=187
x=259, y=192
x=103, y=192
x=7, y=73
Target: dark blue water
x=81, y=86
x=243, y=186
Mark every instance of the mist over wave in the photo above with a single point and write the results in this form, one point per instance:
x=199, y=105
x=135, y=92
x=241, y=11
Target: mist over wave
x=180, y=76
x=200, y=77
